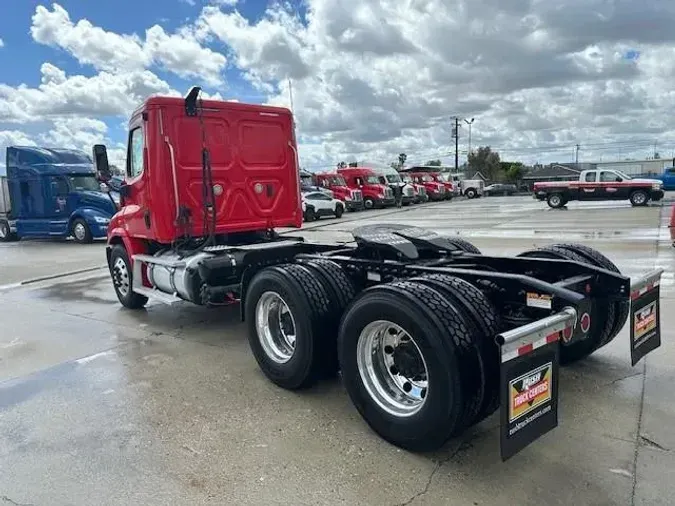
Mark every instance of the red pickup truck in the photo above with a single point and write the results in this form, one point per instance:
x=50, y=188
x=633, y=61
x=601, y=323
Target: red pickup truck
x=600, y=184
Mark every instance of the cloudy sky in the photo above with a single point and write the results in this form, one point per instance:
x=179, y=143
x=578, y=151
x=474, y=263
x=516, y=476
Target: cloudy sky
x=370, y=78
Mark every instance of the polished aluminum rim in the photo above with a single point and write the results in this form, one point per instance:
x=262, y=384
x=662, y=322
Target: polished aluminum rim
x=392, y=368
x=4, y=230
x=275, y=326
x=79, y=231
x=555, y=200
x=639, y=198
x=121, y=276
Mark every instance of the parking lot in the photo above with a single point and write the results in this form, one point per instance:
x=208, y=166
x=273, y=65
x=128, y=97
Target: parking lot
x=101, y=405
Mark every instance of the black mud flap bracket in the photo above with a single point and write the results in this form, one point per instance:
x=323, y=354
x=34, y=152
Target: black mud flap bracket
x=645, y=315
x=530, y=362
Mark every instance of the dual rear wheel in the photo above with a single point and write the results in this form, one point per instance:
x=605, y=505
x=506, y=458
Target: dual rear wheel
x=417, y=357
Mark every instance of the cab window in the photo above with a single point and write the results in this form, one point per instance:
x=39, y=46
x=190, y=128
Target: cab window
x=609, y=177
x=135, y=155
x=590, y=177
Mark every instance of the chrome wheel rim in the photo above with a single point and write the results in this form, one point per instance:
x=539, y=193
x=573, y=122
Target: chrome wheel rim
x=368, y=203
x=121, y=276
x=276, y=327
x=555, y=201
x=79, y=231
x=639, y=198
x=3, y=231
x=392, y=368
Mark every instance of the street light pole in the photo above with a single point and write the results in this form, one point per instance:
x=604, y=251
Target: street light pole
x=469, y=122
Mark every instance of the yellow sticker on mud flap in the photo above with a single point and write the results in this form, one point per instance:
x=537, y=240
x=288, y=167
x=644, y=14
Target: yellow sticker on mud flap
x=644, y=322
x=529, y=391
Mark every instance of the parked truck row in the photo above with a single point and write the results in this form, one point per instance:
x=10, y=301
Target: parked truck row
x=430, y=335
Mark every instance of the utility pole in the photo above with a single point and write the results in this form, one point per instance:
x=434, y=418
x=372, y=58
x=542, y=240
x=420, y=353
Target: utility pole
x=455, y=132
x=576, y=155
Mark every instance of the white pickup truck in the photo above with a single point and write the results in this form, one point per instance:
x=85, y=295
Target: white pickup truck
x=600, y=184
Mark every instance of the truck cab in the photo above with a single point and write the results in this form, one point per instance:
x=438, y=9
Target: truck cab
x=419, y=189
x=446, y=180
x=375, y=194
x=352, y=198
x=391, y=178
x=667, y=178
x=434, y=189
x=53, y=193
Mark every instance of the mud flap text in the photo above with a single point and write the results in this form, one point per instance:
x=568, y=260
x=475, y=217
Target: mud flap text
x=530, y=363
x=645, y=320
x=529, y=397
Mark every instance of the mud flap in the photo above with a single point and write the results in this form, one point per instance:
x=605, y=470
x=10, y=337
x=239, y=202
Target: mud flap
x=645, y=316
x=530, y=357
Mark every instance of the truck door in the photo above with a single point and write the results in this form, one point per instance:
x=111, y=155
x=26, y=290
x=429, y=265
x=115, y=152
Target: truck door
x=31, y=206
x=669, y=179
x=588, y=189
x=137, y=216
x=612, y=186
x=56, y=205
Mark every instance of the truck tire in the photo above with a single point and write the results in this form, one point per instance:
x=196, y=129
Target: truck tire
x=121, y=275
x=286, y=310
x=484, y=325
x=368, y=203
x=555, y=200
x=464, y=245
x=391, y=338
x=600, y=329
x=639, y=198
x=6, y=234
x=81, y=232
x=594, y=257
x=470, y=193
x=341, y=291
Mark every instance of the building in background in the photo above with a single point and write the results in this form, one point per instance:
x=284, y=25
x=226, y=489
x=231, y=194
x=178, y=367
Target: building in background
x=635, y=168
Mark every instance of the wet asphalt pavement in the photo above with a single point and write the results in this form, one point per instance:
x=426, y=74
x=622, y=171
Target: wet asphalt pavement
x=100, y=405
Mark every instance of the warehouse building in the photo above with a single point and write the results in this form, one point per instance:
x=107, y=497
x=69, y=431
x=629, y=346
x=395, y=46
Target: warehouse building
x=638, y=167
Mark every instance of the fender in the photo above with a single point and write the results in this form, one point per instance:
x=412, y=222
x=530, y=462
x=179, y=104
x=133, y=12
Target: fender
x=118, y=235
x=95, y=218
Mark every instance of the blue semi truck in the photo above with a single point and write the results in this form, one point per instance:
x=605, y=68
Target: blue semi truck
x=52, y=193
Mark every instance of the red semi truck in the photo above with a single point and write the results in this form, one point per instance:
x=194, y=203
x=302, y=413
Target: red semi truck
x=435, y=190
x=375, y=194
x=430, y=335
x=353, y=198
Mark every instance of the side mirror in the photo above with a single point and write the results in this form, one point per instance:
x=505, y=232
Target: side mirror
x=103, y=173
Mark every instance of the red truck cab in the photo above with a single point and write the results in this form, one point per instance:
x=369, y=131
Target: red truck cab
x=449, y=187
x=352, y=198
x=375, y=194
x=435, y=190
x=254, y=185
x=420, y=190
